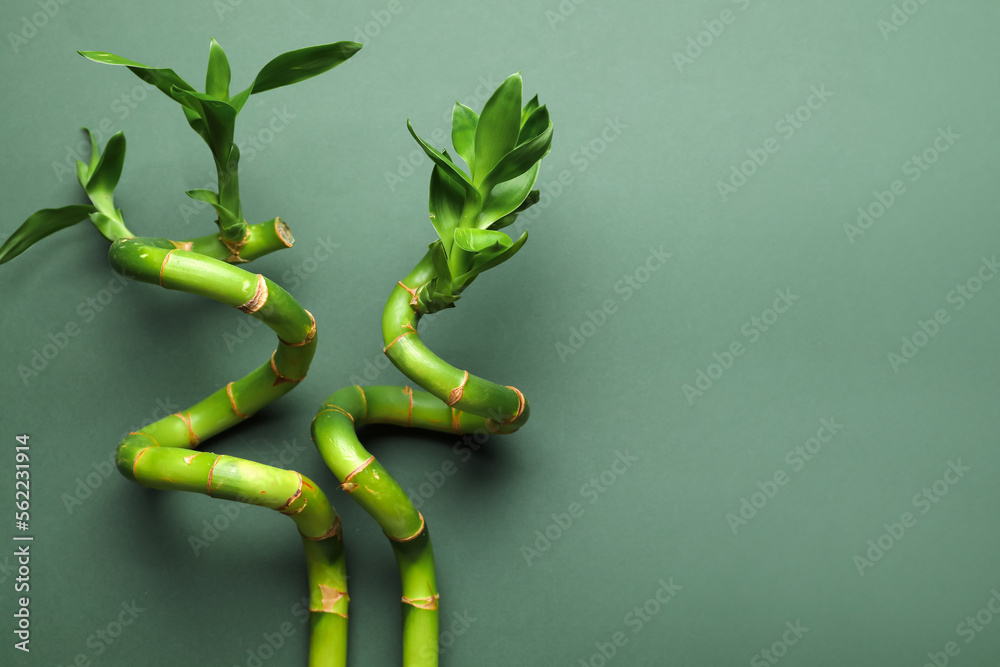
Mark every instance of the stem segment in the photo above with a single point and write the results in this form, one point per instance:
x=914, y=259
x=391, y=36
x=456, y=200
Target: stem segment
x=159, y=456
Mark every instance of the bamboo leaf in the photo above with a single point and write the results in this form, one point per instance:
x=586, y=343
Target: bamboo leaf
x=101, y=184
x=463, y=132
x=219, y=119
x=528, y=109
x=445, y=205
x=507, y=197
x=444, y=162
x=164, y=79
x=498, y=127
x=206, y=196
x=302, y=64
x=521, y=159
x=219, y=73
x=439, y=259
x=39, y=225
x=534, y=125
x=488, y=262
x=481, y=240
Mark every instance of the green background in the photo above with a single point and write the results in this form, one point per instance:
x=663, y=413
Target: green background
x=642, y=140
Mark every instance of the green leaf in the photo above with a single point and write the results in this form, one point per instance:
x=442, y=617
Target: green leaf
x=95, y=154
x=302, y=64
x=528, y=109
x=102, y=183
x=507, y=196
x=534, y=125
x=39, y=225
x=481, y=240
x=197, y=123
x=444, y=162
x=463, y=132
x=219, y=74
x=239, y=99
x=445, y=204
x=220, y=122
x=439, y=258
x=81, y=173
x=488, y=262
x=521, y=159
x=206, y=196
x=164, y=79
x=498, y=127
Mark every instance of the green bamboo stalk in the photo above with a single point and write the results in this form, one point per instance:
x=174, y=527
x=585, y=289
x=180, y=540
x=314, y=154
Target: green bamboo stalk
x=334, y=431
x=505, y=408
x=159, y=455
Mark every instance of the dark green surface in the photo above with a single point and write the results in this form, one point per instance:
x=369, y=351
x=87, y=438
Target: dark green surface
x=608, y=69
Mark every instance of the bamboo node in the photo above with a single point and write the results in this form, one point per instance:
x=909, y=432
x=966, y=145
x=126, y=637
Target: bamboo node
x=232, y=402
x=428, y=603
x=423, y=525
x=330, y=597
x=163, y=264
x=409, y=413
x=259, y=298
x=456, y=394
x=406, y=333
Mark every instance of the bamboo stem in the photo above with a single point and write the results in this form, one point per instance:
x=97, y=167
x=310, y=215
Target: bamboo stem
x=160, y=457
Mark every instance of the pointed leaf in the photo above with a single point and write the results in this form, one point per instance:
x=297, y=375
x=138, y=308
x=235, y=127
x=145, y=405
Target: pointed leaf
x=206, y=196
x=488, y=262
x=302, y=64
x=507, y=197
x=463, y=132
x=95, y=154
x=39, y=225
x=164, y=79
x=521, y=159
x=219, y=74
x=443, y=161
x=197, y=123
x=498, y=127
x=239, y=99
x=481, y=240
x=108, y=171
x=81, y=173
x=440, y=261
x=534, y=125
x=528, y=109
x=445, y=205
x=219, y=118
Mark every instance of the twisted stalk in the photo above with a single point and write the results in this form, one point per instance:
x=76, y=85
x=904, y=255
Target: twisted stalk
x=457, y=402
x=159, y=456
x=502, y=147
